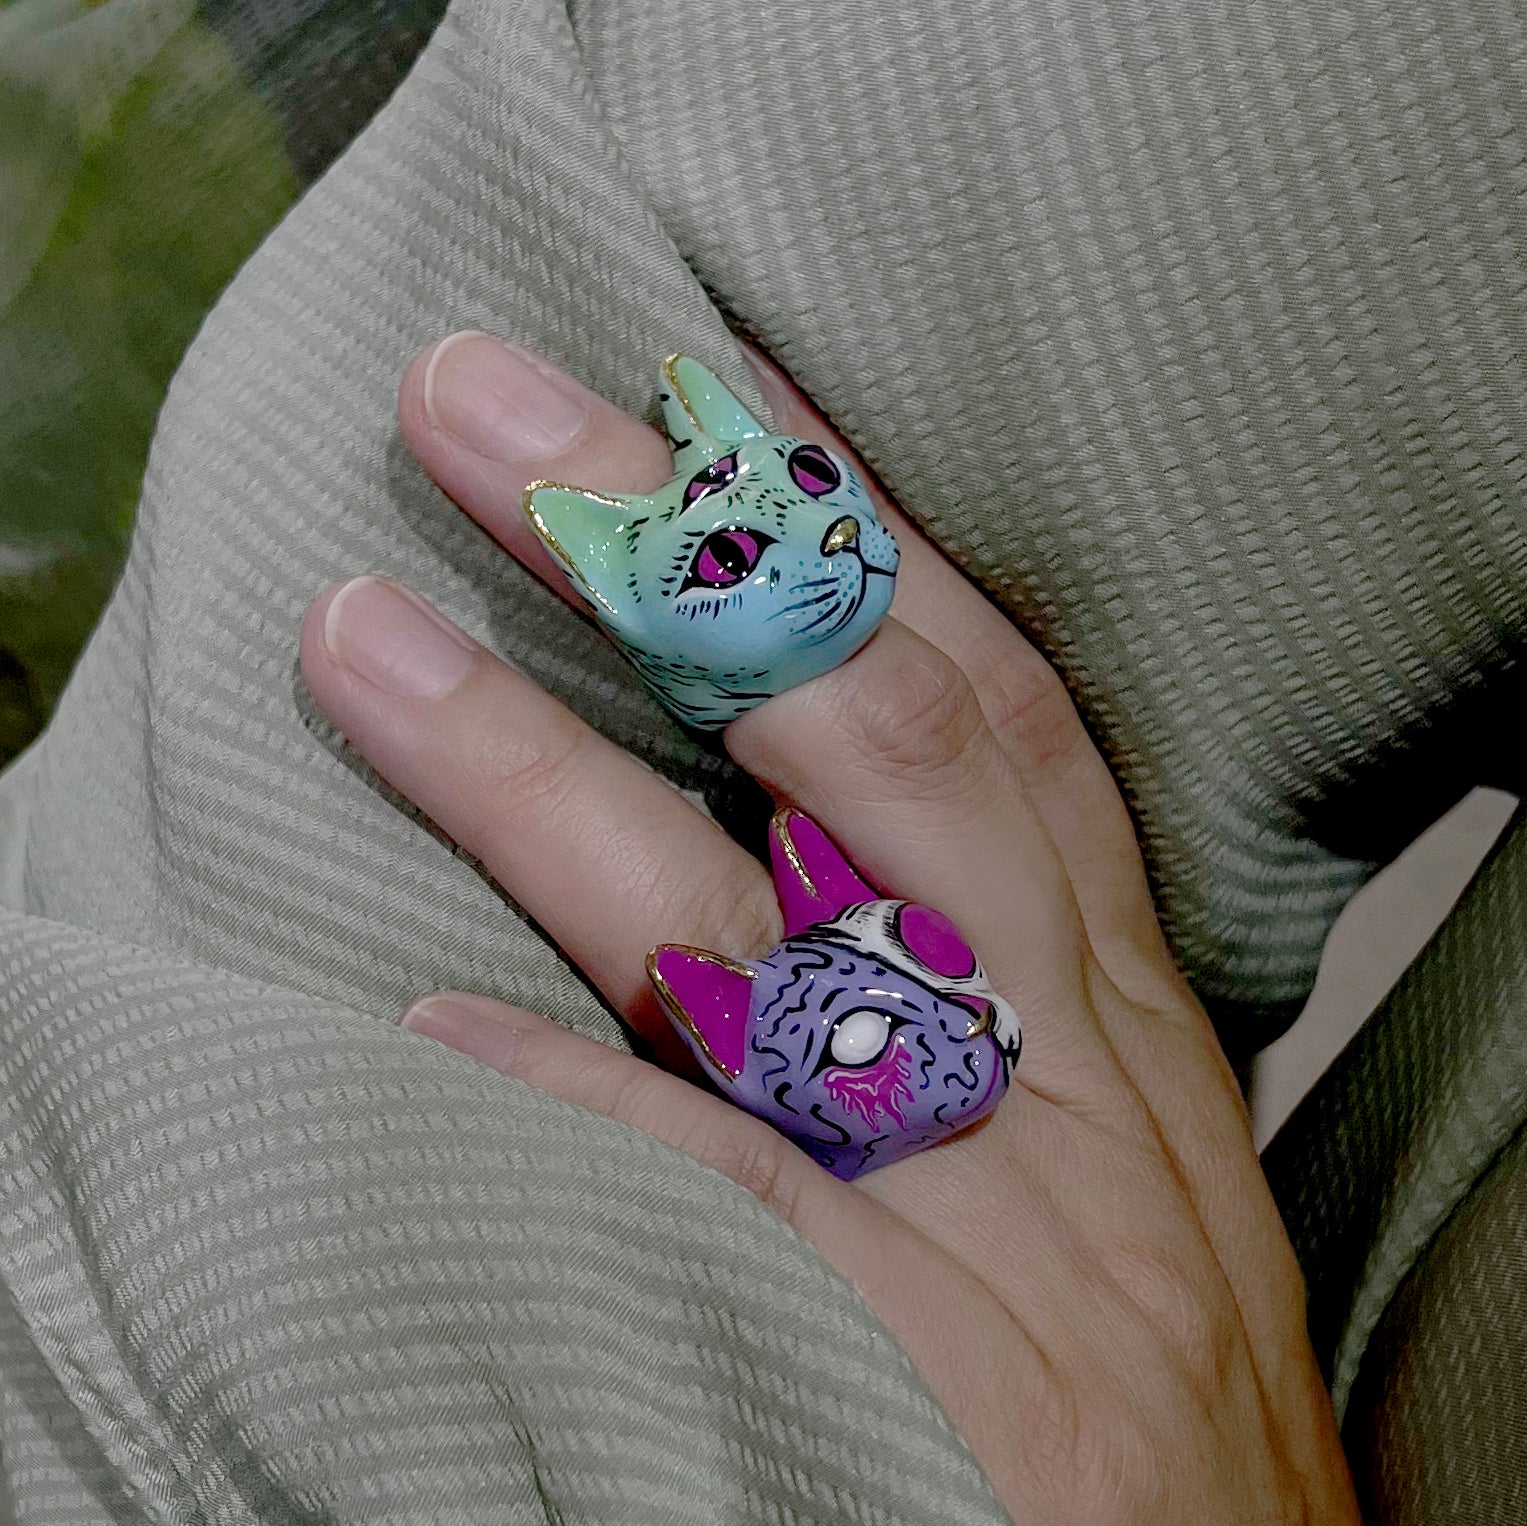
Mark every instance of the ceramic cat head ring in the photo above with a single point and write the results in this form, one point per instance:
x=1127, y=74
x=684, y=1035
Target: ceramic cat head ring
x=760, y=564
x=869, y=1033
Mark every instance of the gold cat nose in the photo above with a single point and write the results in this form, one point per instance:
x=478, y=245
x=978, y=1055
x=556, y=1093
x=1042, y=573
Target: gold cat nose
x=980, y=1022
x=843, y=533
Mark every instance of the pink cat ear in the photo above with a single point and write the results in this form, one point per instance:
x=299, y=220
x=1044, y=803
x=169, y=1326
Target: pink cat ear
x=707, y=997
x=813, y=880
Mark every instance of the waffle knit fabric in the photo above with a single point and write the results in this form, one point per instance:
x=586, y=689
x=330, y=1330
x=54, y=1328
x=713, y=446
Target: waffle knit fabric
x=1196, y=336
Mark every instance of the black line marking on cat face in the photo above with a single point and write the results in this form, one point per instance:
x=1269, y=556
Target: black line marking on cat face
x=844, y=1137
x=780, y=1093
x=806, y=961
x=924, y=1066
x=880, y=1139
x=837, y=993
x=827, y=614
x=830, y=596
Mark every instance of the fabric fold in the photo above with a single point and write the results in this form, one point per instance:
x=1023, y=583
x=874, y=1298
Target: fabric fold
x=267, y=1258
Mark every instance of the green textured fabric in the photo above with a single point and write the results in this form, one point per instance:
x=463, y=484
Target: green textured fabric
x=1437, y=1419
x=1414, y=1110
x=1197, y=336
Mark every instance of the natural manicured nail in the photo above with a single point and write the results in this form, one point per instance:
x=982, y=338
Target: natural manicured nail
x=473, y=1029
x=500, y=400
x=390, y=637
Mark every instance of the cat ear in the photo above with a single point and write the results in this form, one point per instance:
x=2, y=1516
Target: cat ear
x=584, y=531
x=701, y=412
x=813, y=880
x=707, y=996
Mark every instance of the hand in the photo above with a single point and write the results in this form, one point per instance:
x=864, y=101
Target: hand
x=1095, y=1284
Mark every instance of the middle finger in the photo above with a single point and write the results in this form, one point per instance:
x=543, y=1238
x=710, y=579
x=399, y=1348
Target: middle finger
x=605, y=854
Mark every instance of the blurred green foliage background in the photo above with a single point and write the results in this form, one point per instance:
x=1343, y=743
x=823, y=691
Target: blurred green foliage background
x=146, y=147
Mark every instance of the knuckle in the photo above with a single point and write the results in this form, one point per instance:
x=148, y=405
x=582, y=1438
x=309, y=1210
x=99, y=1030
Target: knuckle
x=639, y=1095
x=1192, y=1321
x=760, y=1162
x=926, y=724
x=530, y=781
x=1055, y=1424
x=1133, y=1471
x=1026, y=705
x=1100, y=1443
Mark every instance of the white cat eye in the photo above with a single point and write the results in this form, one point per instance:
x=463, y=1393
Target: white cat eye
x=859, y=1037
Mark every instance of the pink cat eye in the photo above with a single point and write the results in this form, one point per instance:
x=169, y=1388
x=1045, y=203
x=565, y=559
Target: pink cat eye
x=935, y=942
x=725, y=558
x=711, y=479
x=813, y=470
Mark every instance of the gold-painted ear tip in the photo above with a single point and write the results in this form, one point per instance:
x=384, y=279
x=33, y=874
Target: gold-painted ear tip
x=531, y=488
x=779, y=822
x=588, y=495
x=780, y=826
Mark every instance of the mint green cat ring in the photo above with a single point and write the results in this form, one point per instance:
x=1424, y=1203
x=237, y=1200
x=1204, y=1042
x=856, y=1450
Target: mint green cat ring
x=760, y=564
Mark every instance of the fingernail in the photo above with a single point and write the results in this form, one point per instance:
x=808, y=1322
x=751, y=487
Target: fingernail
x=390, y=637
x=472, y=1030
x=499, y=400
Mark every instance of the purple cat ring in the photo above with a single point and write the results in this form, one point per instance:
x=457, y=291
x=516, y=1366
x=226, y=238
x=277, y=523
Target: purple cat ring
x=868, y=1034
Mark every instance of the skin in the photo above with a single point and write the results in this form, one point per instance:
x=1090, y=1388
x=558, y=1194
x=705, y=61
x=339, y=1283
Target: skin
x=1095, y=1282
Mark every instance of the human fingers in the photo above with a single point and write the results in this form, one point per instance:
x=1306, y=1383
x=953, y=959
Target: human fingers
x=1159, y=1034
x=486, y=419
x=1156, y=1026
x=607, y=857
x=967, y=1347
x=1027, y=708
x=602, y=852
x=892, y=754
x=888, y=752
x=1100, y=1418
x=585, y=839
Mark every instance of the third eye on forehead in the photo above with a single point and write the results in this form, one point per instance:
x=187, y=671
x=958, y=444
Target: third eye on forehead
x=934, y=941
x=712, y=478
